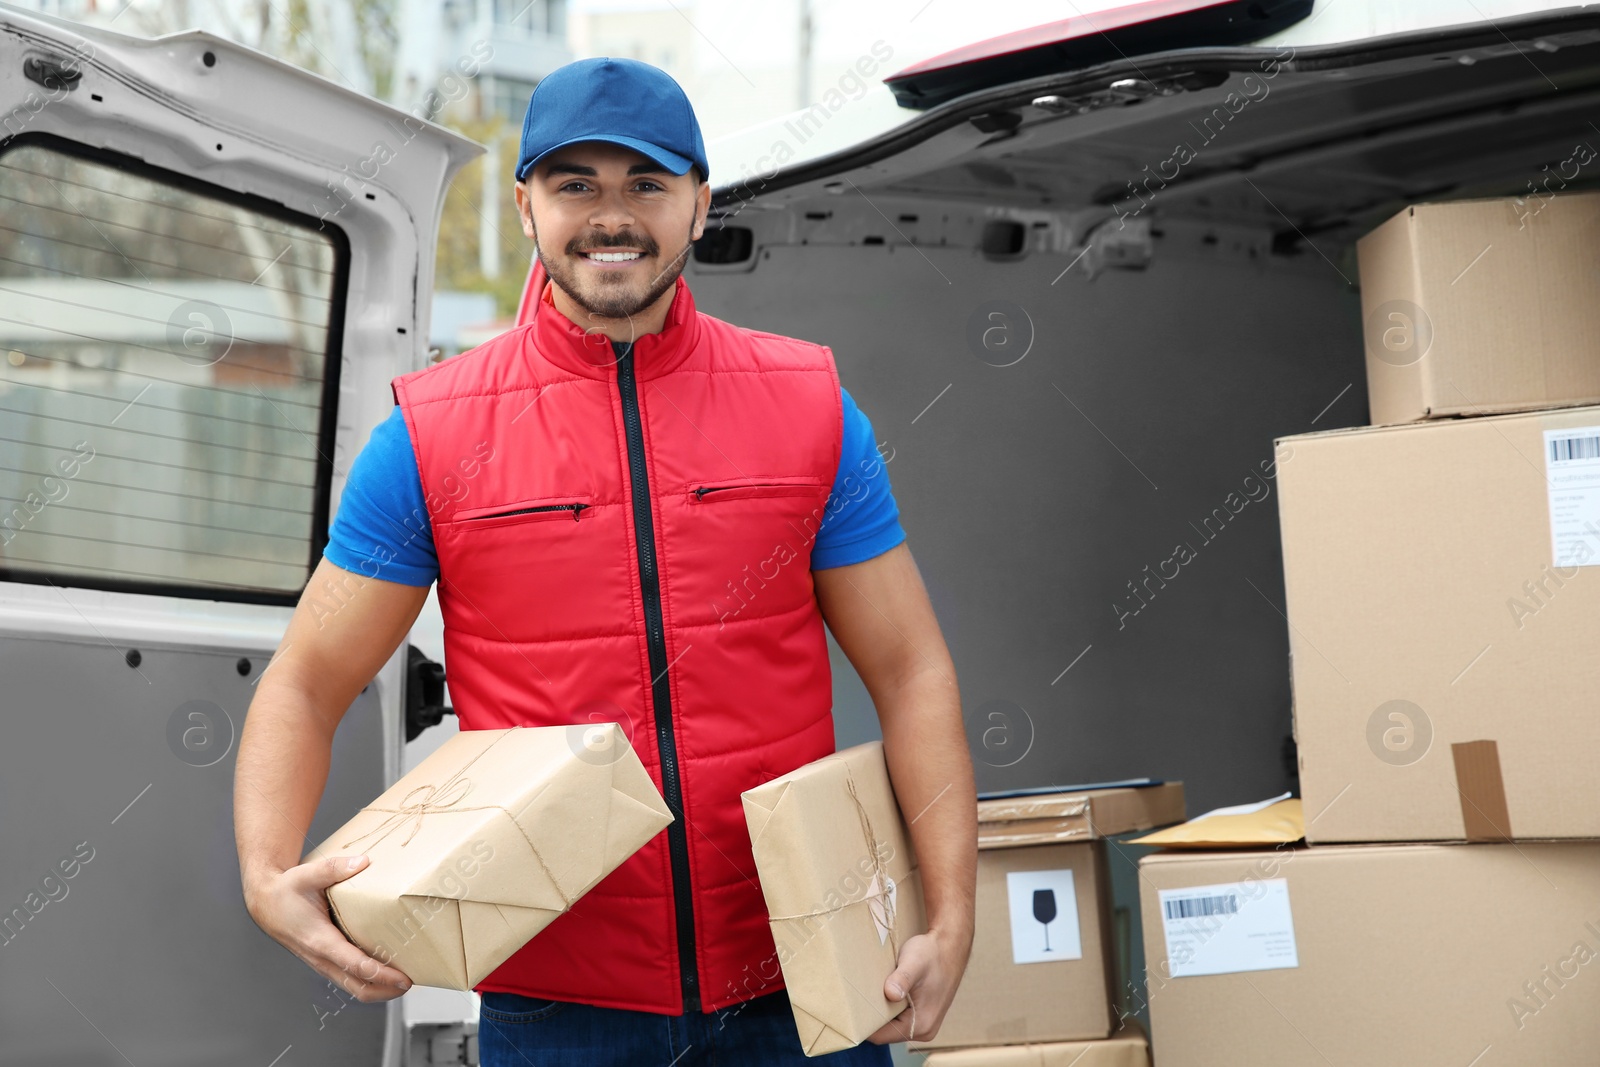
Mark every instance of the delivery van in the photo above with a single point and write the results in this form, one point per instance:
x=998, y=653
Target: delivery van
x=1079, y=278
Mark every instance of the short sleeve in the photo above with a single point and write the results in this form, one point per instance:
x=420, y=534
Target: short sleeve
x=861, y=519
x=381, y=529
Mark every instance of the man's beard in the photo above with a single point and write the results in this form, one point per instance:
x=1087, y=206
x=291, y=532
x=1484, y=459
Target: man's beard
x=607, y=300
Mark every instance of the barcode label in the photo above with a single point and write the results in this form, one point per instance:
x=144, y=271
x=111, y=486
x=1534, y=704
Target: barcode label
x=1572, y=474
x=1228, y=928
x=1202, y=907
x=1567, y=448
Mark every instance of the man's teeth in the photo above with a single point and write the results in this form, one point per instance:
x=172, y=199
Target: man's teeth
x=612, y=257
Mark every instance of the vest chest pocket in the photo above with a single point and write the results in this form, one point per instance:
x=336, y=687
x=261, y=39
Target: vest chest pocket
x=535, y=569
x=744, y=543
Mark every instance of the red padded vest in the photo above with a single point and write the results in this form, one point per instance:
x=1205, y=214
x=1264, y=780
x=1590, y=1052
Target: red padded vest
x=632, y=541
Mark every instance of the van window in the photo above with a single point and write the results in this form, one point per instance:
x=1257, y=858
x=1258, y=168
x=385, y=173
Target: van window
x=166, y=350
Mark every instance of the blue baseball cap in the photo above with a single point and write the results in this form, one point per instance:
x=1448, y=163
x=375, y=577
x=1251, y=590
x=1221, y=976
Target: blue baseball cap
x=622, y=101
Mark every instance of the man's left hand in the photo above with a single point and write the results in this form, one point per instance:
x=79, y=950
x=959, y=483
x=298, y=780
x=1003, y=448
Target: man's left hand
x=928, y=971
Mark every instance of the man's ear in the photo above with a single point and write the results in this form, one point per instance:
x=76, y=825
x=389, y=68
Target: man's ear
x=702, y=208
x=524, y=207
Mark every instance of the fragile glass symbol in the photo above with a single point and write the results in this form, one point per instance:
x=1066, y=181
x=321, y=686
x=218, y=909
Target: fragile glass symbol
x=1044, y=910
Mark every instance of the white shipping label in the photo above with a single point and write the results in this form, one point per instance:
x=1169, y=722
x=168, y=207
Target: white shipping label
x=1572, y=471
x=1225, y=929
x=1044, y=916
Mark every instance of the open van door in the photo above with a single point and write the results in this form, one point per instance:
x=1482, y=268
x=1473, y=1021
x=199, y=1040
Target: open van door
x=211, y=264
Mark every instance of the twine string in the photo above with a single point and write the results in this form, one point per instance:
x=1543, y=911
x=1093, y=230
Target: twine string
x=434, y=798
x=881, y=876
x=880, y=870
x=445, y=797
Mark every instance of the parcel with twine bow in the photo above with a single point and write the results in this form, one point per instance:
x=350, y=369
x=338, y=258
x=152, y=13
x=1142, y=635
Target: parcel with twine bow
x=842, y=889
x=453, y=790
x=465, y=868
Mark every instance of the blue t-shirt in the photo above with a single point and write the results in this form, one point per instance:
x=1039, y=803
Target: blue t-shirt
x=382, y=516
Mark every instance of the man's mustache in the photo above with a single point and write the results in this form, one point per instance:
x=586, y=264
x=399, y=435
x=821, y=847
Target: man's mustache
x=600, y=242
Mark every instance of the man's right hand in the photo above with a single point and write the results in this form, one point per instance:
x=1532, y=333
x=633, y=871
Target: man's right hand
x=291, y=906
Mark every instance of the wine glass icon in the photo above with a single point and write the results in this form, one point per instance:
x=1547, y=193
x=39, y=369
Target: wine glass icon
x=1044, y=910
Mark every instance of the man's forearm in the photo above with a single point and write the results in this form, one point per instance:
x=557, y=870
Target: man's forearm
x=926, y=749
x=325, y=659
x=282, y=769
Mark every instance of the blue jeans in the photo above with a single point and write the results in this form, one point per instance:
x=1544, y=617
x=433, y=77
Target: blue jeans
x=518, y=1031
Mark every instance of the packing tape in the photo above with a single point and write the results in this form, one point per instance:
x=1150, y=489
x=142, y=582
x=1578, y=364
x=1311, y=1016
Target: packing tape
x=1483, y=791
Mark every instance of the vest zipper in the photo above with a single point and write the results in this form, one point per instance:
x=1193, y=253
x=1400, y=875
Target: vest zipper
x=700, y=493
x=574, y=508
x=649, y=581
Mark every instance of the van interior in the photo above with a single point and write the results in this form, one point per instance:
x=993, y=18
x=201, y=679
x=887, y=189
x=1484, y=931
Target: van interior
x=1081, y=310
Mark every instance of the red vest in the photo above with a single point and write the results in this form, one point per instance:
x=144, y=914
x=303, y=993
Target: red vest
x=685, y=612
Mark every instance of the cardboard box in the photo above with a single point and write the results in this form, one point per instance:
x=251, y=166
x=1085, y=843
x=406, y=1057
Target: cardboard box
x=1129, y=1048
x=843, y=893
x=1016, y=989
x=1443, y=627
x=486, y=842
x=1378, y=955
x=1046, y=818
x=1482, y=306
x=1011, y=996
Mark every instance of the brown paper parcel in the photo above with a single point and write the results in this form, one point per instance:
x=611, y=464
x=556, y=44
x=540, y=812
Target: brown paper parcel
x=842, y=889
x=486, y=842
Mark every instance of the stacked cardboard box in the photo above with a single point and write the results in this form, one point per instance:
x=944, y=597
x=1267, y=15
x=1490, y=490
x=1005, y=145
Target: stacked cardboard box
x=1482, y=306
x=1127, y=1048
x=1379, y=955
x=1443, y=619
x=1438, y=575
x=1041, y=975
x=1444, y=611
x=1035, y=818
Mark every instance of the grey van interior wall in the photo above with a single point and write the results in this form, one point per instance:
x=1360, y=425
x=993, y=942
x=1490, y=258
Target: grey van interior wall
x=1036, y=495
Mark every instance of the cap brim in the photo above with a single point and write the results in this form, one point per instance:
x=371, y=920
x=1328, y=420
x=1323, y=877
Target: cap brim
x=671, y=160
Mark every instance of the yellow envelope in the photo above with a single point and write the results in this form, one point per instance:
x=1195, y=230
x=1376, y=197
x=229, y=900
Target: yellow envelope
x=1278, y=824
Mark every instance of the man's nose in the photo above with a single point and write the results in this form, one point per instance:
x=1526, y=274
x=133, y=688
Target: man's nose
x=611, y=213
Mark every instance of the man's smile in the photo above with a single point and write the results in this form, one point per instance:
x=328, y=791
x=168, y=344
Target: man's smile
x=612, y=259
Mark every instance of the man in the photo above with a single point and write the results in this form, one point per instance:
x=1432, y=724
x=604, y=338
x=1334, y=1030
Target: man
x=635, y=512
